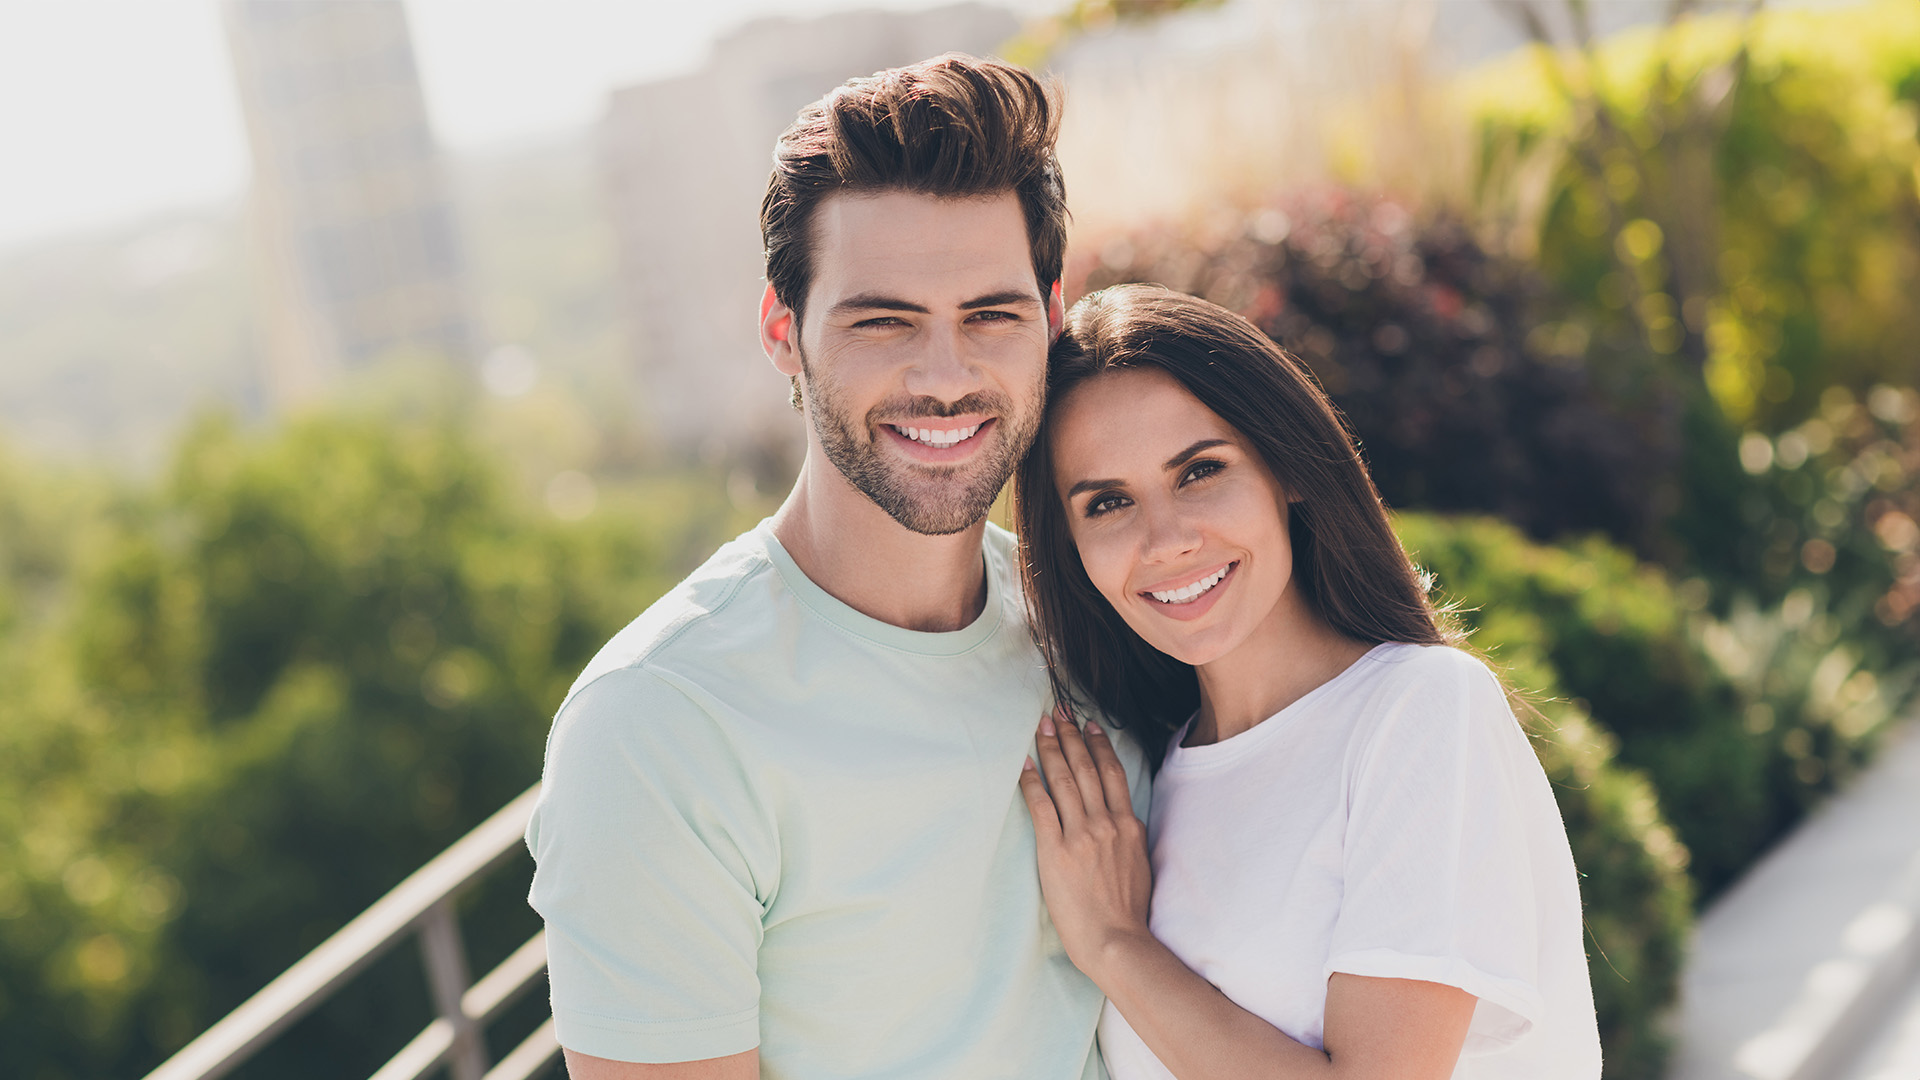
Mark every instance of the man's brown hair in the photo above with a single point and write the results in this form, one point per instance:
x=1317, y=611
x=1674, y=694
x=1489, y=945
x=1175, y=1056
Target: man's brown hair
x=954, y=126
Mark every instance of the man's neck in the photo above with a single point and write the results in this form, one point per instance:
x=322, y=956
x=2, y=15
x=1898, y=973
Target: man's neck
x=862, y=557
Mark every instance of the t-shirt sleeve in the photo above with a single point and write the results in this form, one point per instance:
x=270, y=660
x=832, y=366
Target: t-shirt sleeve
x=1440, y=885
x=652, y=858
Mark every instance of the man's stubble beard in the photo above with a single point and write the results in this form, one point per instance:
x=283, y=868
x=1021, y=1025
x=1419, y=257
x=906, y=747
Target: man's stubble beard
x=929, y=500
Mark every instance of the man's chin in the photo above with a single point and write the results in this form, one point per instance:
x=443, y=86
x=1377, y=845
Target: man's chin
x=936, y=505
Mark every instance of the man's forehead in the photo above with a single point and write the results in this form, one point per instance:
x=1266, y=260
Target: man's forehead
x=932, y=250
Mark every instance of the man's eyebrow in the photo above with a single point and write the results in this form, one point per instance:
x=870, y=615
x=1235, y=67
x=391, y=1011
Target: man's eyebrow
x=1186, y=455
x=874, y=302
x=1005, y=298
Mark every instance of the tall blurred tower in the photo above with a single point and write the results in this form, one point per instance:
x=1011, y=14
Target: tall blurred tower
x=361, y=258
x=686, y=163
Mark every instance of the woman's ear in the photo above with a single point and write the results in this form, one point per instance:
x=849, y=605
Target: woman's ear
x=779, y=332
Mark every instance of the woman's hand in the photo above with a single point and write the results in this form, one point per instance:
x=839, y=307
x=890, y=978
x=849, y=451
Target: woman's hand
x=1093, y=851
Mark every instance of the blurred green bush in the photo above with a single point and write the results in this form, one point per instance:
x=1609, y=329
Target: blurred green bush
x=272, y=689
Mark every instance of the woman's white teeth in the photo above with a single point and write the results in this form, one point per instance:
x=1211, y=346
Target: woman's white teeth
x=1188, y=592
x=939, y=440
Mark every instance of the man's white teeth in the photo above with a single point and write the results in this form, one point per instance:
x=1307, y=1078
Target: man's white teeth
x=939, y=440
x=1186, y=593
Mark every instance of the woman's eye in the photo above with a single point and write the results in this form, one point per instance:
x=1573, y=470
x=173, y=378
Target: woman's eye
x=1101, y=504
x=1200, y=470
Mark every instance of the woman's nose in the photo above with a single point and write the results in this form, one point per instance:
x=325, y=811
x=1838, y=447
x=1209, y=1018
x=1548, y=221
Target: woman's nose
x=1170, y=533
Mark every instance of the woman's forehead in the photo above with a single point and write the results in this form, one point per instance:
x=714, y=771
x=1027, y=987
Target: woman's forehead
x=1126, y=416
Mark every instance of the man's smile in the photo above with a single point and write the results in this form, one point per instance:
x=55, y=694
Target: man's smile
x=939, y=439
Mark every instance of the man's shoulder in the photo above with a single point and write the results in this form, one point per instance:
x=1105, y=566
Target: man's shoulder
x=671, y=627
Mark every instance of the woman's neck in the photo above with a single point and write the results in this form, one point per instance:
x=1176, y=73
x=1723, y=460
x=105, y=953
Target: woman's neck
x=1293, y=652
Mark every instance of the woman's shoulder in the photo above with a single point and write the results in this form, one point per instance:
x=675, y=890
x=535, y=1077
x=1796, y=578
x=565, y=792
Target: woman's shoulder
x=1427, y=693
x=1404, y=667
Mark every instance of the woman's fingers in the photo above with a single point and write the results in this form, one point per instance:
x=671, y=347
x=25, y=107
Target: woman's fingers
x=1113, y=775
x=1068, y=801
x=1086, y=774
x=1046, y=821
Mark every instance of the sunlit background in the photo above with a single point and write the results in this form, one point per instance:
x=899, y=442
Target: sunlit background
x=364, y=365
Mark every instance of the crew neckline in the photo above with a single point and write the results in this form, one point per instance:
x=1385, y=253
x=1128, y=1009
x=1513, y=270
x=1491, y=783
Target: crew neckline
x=1259, y=735
x=861, y=625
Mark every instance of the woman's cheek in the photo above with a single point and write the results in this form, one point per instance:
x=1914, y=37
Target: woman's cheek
x=1106, y=565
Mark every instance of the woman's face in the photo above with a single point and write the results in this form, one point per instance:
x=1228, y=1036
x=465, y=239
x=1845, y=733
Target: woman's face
x=1179, y=523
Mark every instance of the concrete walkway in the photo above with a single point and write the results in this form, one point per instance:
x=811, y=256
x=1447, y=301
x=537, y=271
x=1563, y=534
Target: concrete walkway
x=1808, y=968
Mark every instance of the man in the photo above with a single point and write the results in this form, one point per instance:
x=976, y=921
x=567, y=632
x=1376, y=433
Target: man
x=779, y=833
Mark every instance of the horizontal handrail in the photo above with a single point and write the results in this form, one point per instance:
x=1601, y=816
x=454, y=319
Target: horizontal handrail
x=296, y=991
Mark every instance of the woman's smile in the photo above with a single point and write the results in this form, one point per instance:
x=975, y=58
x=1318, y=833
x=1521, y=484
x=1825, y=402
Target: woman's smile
x=1194, y=598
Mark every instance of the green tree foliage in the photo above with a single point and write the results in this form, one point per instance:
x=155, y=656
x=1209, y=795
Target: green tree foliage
x=278, y=685
x=1736, y=205
x=1512, y=595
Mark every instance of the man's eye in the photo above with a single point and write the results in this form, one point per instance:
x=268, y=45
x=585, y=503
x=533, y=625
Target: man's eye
x=995, y=316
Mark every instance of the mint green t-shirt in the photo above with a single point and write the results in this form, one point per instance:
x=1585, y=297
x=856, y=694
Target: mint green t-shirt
x=769, y=820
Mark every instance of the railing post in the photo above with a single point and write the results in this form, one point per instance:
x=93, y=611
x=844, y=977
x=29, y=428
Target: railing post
x=447, y=973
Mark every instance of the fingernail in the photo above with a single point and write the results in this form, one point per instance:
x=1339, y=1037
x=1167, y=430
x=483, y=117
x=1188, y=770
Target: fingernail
x=1028, y=767
x=1093, y=728
x=1046, y=725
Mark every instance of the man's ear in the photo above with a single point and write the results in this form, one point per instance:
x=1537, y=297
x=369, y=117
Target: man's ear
x=777, y=332
x=1056, y=314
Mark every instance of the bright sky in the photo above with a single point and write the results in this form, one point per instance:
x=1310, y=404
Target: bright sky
x=110, y=109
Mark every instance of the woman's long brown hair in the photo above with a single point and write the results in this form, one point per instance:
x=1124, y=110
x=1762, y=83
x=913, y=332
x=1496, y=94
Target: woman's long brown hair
x=1347, y=562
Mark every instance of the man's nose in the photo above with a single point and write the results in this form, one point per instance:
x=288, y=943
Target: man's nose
x=944, y=368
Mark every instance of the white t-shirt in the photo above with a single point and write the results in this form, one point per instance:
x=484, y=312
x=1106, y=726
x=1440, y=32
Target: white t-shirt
x=1394, y=823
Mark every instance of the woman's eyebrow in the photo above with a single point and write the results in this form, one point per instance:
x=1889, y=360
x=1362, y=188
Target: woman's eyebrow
x=1186, y=455
x=1093, y=485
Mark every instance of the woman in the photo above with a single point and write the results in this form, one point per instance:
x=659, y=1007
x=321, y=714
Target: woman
x=1355, y=864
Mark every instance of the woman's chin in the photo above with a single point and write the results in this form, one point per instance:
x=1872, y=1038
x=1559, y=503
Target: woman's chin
x=1197, y=648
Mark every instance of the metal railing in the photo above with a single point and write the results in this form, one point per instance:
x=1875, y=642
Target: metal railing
x=424, y=902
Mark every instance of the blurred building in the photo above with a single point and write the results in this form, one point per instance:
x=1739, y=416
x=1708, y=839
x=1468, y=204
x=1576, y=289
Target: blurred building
x=361, y=258
x=686, y=164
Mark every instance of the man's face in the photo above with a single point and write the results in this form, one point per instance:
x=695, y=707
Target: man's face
x=923, y=353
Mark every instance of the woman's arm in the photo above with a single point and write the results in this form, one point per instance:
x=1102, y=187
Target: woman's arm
x=1097, y=883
